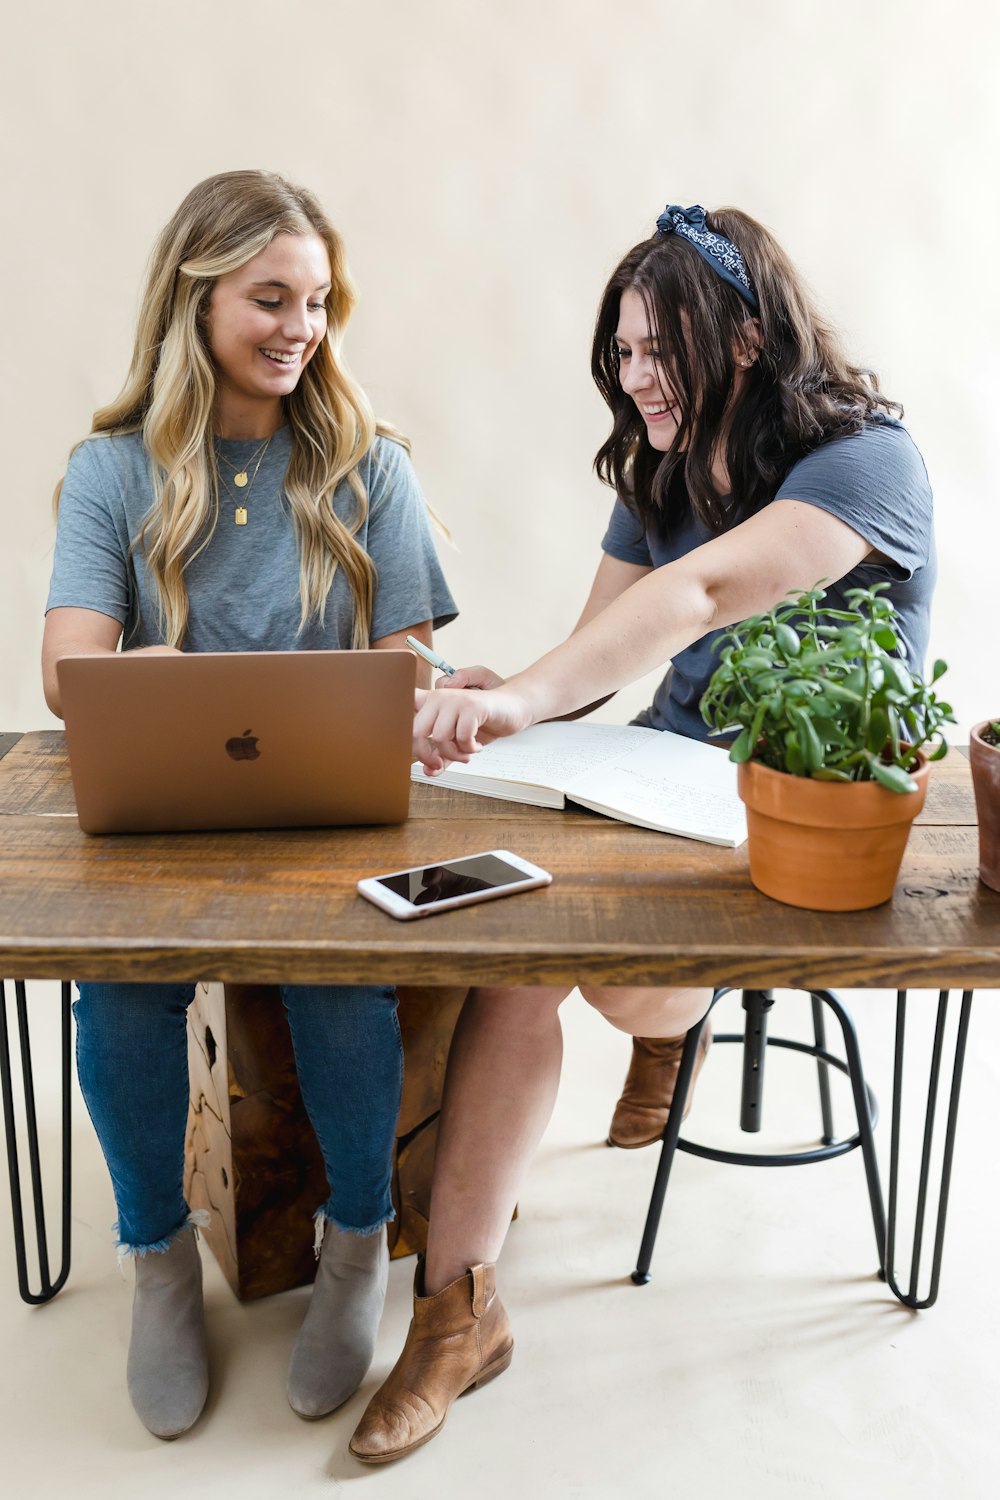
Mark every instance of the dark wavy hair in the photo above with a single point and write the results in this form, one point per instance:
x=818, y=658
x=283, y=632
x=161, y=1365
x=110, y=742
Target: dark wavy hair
x=800, y=390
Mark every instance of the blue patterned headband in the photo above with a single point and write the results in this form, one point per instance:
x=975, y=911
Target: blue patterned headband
x=720, y=253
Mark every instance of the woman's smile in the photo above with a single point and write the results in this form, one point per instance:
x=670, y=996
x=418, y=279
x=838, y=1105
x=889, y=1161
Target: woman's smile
x=657, y=411
x=282, y=356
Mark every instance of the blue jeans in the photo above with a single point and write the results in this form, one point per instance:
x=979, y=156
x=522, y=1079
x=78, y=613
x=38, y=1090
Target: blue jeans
x=132, y=1061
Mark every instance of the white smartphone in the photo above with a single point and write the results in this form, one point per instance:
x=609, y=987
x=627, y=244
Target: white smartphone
x=427, y=889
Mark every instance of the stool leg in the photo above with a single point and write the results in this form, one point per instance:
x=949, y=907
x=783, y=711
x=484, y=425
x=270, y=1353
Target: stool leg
x=667, y=1152
x=756, y=1003
x=49, y=1287
x=910, y=1297
x=862, y=1107
x=822, y=1069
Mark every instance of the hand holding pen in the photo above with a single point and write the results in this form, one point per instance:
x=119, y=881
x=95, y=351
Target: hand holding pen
x=438, y=707
x=456, y=677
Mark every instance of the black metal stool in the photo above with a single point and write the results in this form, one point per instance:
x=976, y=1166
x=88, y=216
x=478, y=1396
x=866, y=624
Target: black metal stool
x=755, y=1040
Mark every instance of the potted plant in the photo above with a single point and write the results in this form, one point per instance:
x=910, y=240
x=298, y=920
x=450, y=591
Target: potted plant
x=984, y=753
x=834, y=736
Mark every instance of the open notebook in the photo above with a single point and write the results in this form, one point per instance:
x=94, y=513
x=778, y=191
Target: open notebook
x=657, y=780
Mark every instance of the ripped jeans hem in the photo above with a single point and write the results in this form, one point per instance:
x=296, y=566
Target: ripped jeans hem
x=322, y=1217
x=198, y=1218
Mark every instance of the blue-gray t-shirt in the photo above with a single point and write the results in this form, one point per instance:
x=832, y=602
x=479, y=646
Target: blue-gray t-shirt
x=875, y=481
x=243, y=587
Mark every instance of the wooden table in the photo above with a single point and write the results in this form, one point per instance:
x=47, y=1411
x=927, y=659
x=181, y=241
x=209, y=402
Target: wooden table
x=625, y=906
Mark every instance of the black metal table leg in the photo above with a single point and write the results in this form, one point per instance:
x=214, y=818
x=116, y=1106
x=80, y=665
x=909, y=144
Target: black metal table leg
x=865, y=1112
x=49, y=1286
x=910, y=1297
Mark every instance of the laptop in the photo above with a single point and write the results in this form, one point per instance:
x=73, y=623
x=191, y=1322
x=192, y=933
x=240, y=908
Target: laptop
x=259, y=739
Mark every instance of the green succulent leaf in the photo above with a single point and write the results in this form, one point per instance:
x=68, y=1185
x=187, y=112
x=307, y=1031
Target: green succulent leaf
x=757, y=723
x=809, y=743
x=897, y=675
x=742, y=747
x=893, y=777
x=787, y=639
x=795, y=761
x=893, y=718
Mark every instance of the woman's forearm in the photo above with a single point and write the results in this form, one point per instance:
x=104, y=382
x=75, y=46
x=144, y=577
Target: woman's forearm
x=640, y=630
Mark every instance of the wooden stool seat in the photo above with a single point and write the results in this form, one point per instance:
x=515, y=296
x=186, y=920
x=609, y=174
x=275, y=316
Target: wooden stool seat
x=251, y=1157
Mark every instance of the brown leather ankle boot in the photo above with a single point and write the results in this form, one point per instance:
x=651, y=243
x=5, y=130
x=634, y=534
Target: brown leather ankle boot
x=641, y=1113
x=459, y=1338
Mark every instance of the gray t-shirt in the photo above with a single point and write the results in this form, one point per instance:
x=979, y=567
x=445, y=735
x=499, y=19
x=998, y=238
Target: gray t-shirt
x=874, y=480
x=243, y=587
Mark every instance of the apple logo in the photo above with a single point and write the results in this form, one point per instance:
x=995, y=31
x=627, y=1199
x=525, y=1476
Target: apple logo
x=243, y=746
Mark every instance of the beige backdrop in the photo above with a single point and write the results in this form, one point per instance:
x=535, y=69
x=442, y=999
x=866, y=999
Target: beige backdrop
x=488, y=163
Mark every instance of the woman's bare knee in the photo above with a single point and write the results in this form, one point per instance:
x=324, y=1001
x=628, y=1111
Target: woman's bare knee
x=648, y=1011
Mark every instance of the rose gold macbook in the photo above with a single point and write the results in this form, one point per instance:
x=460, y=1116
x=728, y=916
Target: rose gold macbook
x=269, y=739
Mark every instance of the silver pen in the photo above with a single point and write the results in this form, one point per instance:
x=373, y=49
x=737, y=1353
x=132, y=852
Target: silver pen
x=430, y=656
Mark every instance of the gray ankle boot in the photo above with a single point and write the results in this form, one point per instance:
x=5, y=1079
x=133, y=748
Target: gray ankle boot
x=167, y=1355
x=337, y=1339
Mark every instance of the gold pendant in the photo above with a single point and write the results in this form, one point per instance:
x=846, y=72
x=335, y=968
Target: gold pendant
x=241, y=515
x=240, y=480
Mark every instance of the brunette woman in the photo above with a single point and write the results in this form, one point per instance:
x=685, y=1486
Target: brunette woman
x=749, y=458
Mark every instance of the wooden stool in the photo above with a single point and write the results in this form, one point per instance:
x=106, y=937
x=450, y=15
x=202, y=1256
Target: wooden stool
x=251, y=1157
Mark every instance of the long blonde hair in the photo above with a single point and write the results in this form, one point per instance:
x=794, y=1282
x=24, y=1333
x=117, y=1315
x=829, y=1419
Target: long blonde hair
x=169, y=396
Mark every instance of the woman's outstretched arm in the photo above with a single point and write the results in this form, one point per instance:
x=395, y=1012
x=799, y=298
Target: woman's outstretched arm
x=786, y=547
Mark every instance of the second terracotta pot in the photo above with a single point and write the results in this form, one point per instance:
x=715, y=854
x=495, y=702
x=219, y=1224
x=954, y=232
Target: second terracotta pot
x=826, y=845
x=985, y=759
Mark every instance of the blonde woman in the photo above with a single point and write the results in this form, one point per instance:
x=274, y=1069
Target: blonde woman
x=239, y=495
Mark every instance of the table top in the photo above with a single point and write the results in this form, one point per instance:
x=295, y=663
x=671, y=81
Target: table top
x=626, y=905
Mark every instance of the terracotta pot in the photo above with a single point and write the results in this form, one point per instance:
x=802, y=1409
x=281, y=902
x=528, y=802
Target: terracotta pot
x=826, y=845
x=986, y=781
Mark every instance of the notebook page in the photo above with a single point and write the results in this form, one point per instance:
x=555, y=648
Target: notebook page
x=671, y=783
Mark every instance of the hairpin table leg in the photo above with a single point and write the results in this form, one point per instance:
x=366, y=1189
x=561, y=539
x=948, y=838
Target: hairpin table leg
x=48, y=1286
x=910, y=1296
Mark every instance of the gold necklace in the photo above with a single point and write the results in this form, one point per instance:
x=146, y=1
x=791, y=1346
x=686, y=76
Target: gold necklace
x=240, y=516
x=240, y=478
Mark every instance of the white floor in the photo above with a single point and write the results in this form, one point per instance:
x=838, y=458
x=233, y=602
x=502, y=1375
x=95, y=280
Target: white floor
x=764, y=1359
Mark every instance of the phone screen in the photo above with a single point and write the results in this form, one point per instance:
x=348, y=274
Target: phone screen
x=459, y=877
